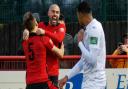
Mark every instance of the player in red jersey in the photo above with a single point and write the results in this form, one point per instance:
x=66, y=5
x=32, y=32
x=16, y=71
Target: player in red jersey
x=56, y=31
x=35, y=51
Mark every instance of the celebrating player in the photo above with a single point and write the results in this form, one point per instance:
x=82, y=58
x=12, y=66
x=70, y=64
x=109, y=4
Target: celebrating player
x=35, y=51
x=56, y=31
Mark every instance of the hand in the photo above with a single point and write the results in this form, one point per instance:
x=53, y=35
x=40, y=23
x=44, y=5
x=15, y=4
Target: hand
x=62, y=82
x=25, y=34
x=80, y=35
x=124, y=48
x=40, y=31
x=119, y=49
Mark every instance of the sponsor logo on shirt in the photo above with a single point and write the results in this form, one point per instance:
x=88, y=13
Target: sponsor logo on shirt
x=93, y=40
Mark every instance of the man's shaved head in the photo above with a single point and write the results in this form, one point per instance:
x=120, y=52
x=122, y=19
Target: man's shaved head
x=54, y=6
x=54, y=14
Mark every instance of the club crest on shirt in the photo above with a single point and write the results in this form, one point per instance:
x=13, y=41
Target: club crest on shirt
x=93, y=40
x=94, y=27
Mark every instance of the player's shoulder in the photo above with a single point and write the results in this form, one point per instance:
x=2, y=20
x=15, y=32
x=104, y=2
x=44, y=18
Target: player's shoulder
x=94, y=30
x=61, y=27
x=61, y=24
x=40, y=24
x=45, y=39
x=96, y=25
x=24, y=42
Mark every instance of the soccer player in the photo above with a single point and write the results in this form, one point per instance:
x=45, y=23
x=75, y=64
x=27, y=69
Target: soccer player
x=56, y=31
x=35, y=51
x=92, y=45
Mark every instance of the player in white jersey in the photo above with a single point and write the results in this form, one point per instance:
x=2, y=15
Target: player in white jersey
x=92, y=45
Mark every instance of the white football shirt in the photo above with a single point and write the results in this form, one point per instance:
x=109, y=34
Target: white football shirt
x=93, y=57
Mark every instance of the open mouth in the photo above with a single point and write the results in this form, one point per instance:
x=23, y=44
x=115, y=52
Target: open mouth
x=54, y=19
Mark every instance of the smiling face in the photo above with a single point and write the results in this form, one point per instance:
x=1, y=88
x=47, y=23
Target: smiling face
x=54, y=14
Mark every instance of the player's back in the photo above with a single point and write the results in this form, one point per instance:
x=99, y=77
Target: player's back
x=35, y=53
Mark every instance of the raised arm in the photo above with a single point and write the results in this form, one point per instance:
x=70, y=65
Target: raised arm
x=58, y=36
x=74, y=71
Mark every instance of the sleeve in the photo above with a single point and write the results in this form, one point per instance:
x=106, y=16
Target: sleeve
x=48, y=42
x=59, y=35
x=24, y=43
x=93, y=50
x=116, y=52
x=20, y=48
x=76, y=69
x=25, y=46
x=41, y=25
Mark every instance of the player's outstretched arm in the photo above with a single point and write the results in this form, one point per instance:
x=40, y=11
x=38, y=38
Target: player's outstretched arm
x=58, y=36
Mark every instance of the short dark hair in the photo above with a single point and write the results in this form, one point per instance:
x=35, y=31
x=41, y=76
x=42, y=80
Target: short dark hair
x=84, y=7
x=28, y=21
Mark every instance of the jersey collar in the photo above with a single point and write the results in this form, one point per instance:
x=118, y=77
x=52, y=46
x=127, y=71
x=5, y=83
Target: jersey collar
x=90, y=24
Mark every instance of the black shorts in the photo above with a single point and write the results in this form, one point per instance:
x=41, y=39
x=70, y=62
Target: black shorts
x=54, y=80
x=44, y=85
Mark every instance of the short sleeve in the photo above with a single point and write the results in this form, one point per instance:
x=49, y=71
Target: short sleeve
x=47, y=42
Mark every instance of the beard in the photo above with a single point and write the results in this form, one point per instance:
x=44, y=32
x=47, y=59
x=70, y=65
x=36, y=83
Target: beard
x=54, y=21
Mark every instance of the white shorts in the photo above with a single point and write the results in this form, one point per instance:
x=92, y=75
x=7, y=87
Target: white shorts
x=93, y=85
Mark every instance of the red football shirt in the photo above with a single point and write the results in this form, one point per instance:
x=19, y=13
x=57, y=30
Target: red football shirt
x=35, y=52
x=56, y=33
